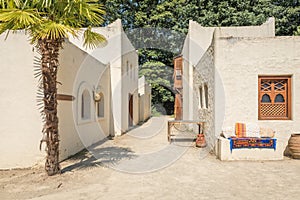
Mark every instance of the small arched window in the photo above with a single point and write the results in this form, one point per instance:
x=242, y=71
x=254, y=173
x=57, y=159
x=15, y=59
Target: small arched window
x=266, y=99
x=100, y=107
x=279, y=98
x=85, y=105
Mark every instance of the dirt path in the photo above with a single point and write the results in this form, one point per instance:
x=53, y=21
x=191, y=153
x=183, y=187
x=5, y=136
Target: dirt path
x=194, y=175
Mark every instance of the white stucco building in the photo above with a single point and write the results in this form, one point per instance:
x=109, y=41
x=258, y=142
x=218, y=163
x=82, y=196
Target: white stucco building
x=226, y=74
x=103, y=83
x=144, y=99
x=122, y=59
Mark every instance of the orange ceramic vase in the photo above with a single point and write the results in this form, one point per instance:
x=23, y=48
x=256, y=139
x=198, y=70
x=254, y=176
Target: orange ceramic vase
x=200, y=141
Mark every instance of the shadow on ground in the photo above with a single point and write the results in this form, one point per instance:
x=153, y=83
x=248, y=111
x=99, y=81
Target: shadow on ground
x=95, y=156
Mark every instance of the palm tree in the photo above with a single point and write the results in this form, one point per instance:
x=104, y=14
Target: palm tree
x=48, y=23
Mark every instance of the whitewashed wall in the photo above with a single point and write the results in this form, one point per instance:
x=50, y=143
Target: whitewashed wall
x=267, y=29
x=197, y=42
x=20, y=127
x=144, y=99
x=129, y=82
x=79, y=71
x=239, y=62
x=185, y=78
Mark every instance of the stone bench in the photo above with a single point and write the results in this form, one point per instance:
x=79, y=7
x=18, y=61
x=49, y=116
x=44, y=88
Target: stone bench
x=223, y=151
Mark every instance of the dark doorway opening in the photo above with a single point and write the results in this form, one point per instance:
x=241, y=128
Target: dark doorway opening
x=130, y=117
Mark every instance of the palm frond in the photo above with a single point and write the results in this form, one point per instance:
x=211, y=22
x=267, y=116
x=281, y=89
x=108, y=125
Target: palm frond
x=42, y=3
x=8, y=4
x=15, y=19
x=51, y=30
x=54, y=19
x=85, y=11
x=92, y=39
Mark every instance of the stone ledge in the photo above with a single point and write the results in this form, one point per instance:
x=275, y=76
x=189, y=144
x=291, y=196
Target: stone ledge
x=223, y=152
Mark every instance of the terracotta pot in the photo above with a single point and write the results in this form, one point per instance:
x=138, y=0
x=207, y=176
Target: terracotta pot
x=294, y=145
x=200, y=141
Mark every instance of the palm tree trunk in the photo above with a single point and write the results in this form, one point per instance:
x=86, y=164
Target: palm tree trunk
x=49, y=49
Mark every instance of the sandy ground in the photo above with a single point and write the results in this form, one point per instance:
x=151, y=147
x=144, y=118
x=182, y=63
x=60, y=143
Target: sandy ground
x=195, y=174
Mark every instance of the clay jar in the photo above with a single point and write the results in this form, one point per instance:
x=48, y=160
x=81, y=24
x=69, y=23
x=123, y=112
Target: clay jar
x=294, y=145
x=200, y=141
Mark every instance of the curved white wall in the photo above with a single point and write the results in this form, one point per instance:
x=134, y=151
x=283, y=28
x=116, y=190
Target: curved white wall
x=82, y=72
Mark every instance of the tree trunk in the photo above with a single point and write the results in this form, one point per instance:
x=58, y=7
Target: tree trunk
x=49, y=50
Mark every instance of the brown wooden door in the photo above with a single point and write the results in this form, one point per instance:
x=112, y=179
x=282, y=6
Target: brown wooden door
x=178, y=72
x=178, y=107
x=130, y=117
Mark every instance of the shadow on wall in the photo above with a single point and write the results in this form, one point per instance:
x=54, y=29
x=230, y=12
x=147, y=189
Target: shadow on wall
x=96, y=156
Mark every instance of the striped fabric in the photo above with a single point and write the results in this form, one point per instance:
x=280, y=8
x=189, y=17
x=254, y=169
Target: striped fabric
x=239, y=143
x=240, y=130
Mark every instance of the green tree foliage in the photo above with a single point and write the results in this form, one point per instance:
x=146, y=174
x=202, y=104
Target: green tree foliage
x=233, y=12
x=287, y=14
x=175, y=14
x=297, y=32
x=245, y=13
x=159, y=75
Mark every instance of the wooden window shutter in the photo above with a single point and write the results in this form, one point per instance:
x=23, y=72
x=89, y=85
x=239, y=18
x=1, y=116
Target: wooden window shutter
x=274, y=97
